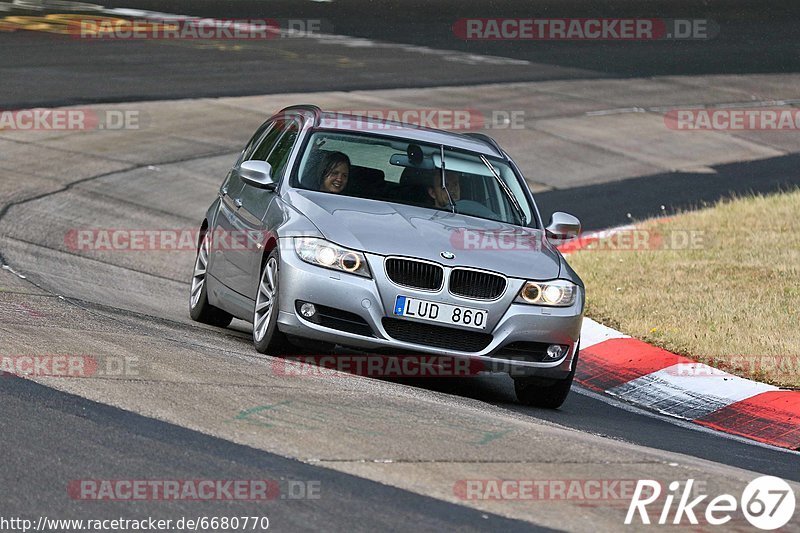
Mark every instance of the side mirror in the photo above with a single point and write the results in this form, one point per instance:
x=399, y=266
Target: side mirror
x=258, y=174
x=563, y=226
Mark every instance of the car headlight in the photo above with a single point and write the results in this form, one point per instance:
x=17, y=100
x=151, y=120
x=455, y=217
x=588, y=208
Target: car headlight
x=328, y=255
x=556, y=293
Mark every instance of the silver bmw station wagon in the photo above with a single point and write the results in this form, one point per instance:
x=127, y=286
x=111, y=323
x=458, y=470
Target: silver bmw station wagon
x=389, y=238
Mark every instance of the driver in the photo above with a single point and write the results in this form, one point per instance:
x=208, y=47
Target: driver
x=438, y=193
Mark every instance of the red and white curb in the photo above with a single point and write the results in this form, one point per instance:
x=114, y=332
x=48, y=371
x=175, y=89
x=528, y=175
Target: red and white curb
x=644, y=375
x=653, y=378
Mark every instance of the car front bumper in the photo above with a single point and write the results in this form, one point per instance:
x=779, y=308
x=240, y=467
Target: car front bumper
x=372, y=300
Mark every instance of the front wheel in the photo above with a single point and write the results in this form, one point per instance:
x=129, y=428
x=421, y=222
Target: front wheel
x=199, y=308
x=266, y=336
x=546, y=393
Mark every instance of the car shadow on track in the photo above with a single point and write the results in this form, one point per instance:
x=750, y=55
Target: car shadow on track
x=492, y=388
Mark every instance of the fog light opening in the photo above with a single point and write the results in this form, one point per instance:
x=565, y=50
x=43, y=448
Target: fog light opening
x=308, y=310
x=555, y=351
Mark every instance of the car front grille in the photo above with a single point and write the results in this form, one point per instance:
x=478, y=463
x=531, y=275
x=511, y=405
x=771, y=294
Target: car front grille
x=436, y=336
x=415, y=274
x=475, y=284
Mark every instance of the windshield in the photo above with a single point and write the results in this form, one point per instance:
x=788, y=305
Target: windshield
x=411, y=173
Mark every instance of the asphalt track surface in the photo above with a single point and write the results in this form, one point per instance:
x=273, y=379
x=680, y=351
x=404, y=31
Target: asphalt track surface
x=55, y=69
x=49, y=436
x=72, y=433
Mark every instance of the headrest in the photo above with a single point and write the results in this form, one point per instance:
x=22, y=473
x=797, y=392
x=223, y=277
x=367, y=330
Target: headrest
x=417, y=176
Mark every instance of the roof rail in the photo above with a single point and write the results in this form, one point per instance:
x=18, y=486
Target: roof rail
x=316, y=111
x=488, y=140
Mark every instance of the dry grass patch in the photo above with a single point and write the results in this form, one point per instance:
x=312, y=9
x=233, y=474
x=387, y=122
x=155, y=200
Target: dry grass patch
x=730, y=299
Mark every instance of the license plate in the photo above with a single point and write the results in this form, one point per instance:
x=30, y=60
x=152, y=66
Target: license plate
x=440, y=313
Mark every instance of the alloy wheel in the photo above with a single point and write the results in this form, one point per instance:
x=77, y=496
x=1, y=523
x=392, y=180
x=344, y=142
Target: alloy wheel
x=267, y=288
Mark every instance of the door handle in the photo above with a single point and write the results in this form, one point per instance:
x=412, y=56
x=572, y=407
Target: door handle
x=237, y=203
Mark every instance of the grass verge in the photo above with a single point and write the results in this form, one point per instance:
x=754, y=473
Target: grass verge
x=720, y=285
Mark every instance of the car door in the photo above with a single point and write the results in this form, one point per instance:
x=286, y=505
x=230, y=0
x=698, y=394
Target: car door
x=246, y=254
x=226, y=223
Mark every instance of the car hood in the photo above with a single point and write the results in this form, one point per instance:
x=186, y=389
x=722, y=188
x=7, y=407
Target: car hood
x=386, y=228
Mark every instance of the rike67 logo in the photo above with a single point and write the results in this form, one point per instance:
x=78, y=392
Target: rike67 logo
x=767, y=502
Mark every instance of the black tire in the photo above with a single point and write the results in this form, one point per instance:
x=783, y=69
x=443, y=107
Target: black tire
x=267, y=338
x=545, y=393
x=199, y=308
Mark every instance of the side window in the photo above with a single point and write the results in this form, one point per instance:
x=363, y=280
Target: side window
x=268, y=142
x=251, y=145
x=280, y=155
x=233, y=184
x=275, y=149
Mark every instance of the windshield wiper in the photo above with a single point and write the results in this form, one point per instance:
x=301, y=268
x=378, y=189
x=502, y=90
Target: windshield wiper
x=444, y=180
x=506, y=189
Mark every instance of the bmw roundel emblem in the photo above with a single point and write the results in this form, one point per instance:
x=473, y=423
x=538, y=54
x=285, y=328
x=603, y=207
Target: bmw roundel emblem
x=448, y=255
